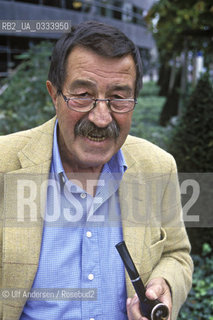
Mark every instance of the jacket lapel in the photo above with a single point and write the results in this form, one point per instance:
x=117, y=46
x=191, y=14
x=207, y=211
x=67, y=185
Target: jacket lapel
x=132, y=194
x=128, y=208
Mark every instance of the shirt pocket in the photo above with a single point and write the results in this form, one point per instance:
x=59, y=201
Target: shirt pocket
x=156, y=249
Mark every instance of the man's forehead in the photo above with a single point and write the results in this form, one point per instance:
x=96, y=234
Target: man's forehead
x=86, y=68
x=85, y=83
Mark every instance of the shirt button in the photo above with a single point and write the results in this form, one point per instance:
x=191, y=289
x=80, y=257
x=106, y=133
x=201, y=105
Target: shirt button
x=89, y=234
x=83, y=195
x=90, y=276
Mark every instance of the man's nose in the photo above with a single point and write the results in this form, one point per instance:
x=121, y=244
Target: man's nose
x=101, y=114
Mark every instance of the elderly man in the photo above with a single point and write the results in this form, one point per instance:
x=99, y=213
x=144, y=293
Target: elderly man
x=74, y=187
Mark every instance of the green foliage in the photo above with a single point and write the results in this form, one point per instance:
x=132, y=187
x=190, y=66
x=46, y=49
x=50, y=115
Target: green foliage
x=191, y=144
x=146, y=115
x=199, y=304
x=26, y=103
x=179, y=19
x=192, y=140
x=150, y=89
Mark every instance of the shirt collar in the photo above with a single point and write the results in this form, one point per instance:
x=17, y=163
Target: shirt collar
x=56, y=159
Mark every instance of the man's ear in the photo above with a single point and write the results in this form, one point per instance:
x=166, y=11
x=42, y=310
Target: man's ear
x=52, y=92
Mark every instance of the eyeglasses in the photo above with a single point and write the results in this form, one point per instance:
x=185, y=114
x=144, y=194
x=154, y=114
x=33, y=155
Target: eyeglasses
x=87, y=104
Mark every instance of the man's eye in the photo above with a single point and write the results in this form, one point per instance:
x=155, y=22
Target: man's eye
x=116, y=96
x=83, y=95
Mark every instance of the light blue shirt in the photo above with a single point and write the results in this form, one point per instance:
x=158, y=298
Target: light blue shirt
x=78, y=247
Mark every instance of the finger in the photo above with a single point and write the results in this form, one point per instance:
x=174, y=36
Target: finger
x=155, y=291
x=159, y=289
x=133, y=309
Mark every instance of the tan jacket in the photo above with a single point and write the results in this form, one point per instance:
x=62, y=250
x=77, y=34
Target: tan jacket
x=150, y=208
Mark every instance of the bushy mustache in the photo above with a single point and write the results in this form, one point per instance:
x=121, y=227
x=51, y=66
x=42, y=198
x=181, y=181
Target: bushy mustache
x=85, y=128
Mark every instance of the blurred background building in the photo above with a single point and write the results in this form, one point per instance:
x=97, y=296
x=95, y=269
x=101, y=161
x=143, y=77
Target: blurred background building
x=127, y=15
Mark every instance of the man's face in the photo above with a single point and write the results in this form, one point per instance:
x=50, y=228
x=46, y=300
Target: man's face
x=91, y=75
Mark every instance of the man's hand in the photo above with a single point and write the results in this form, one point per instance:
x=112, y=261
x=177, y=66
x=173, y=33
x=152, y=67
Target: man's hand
x=156, y=289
